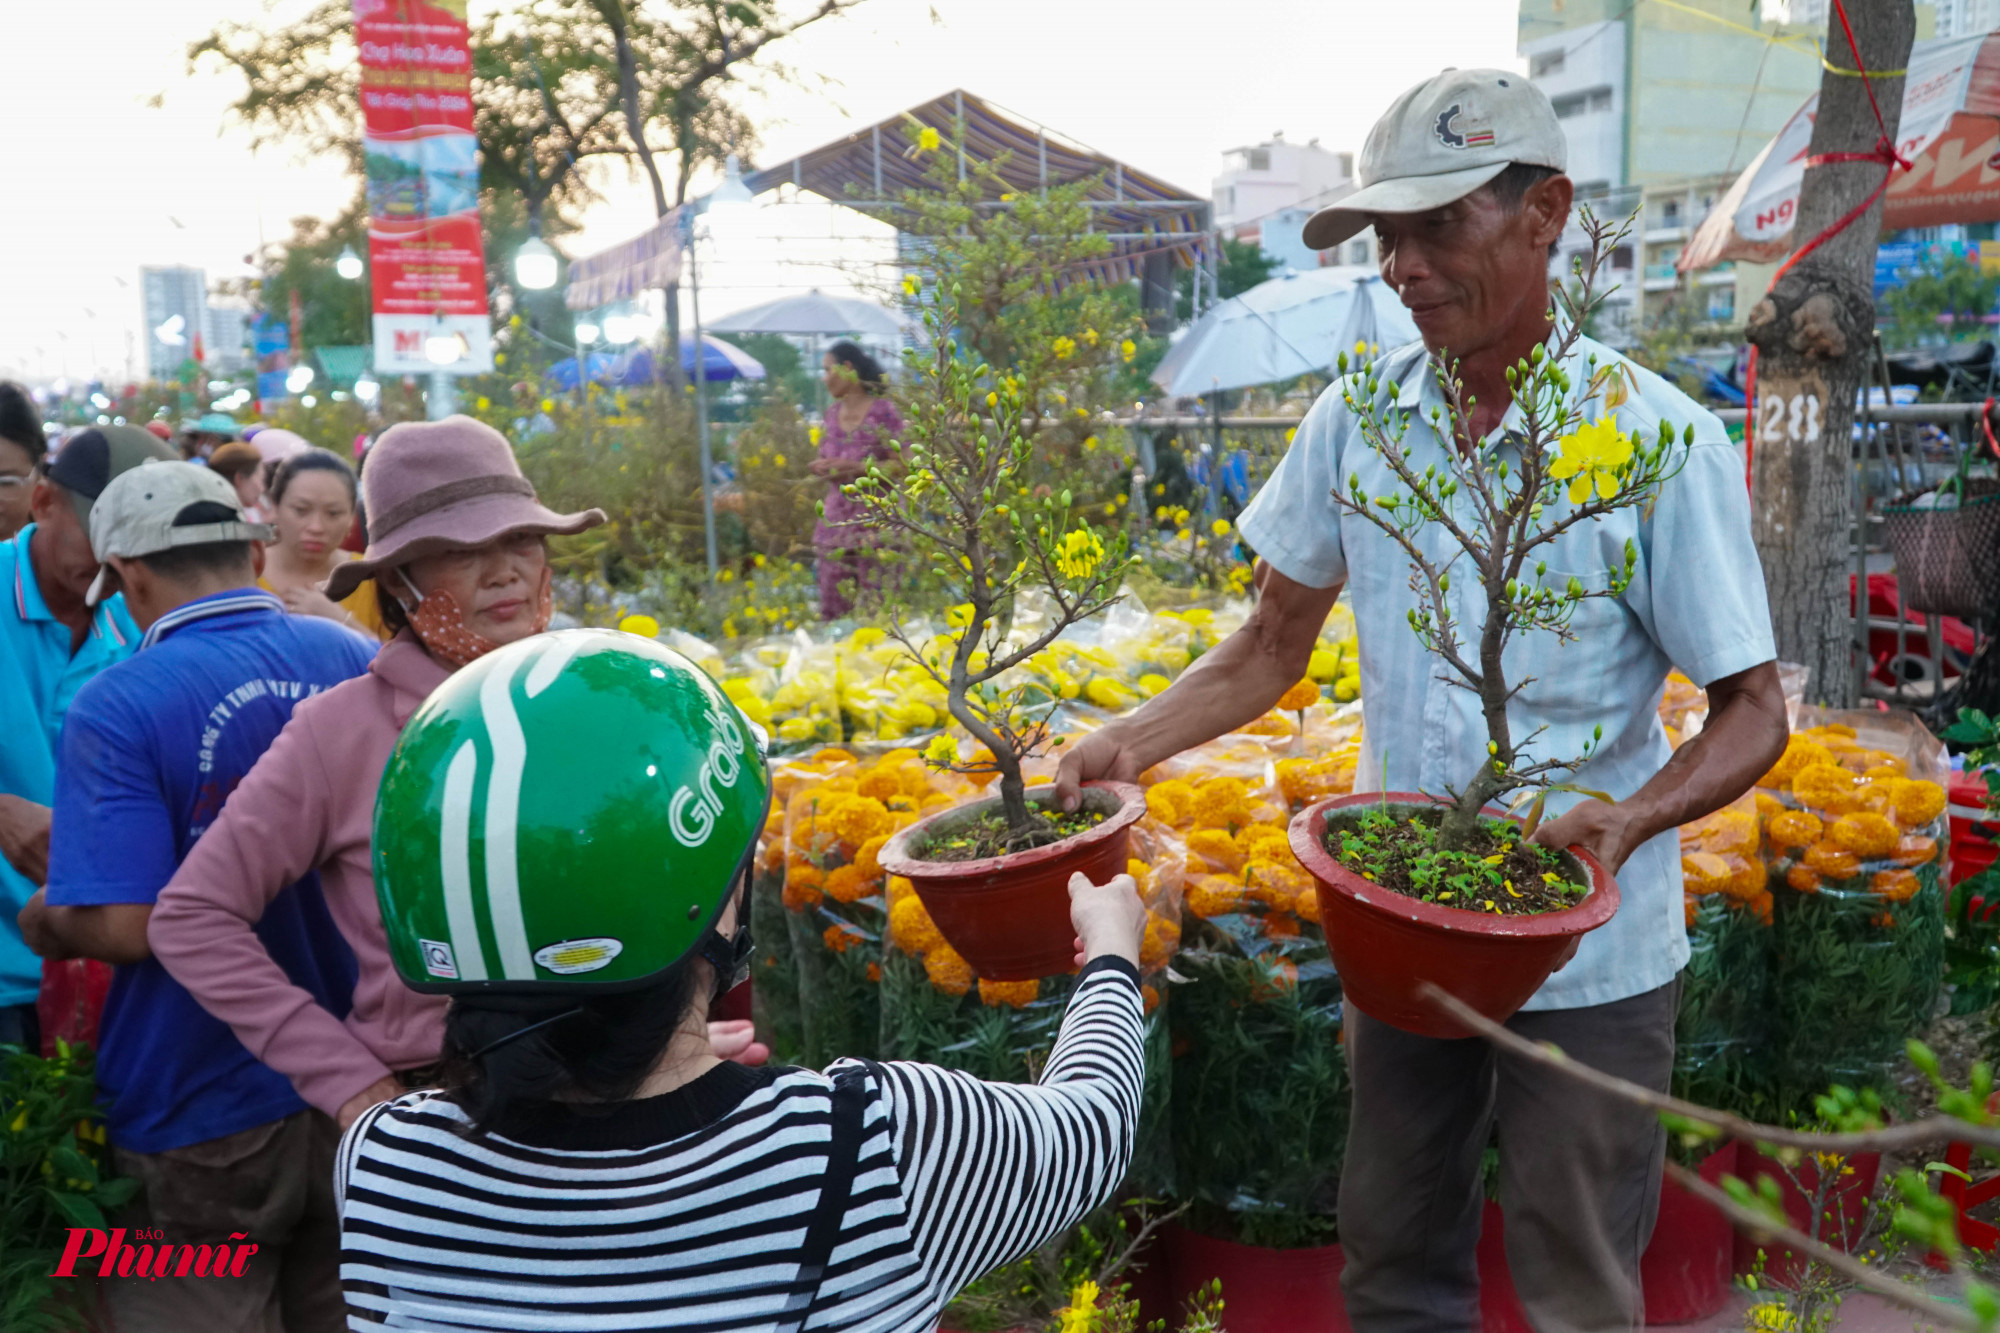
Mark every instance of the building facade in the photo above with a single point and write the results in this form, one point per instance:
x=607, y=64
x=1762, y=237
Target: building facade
x=175, y=303
x=1266, y=191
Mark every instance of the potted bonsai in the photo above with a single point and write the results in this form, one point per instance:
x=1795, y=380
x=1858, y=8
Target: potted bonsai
x=1417, y=888
x=993, y=873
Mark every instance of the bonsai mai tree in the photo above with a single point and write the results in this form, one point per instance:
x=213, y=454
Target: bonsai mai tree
x=959, y=497
x=1504, y=501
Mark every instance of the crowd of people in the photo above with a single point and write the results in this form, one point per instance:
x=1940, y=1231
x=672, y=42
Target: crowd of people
x=206, y=683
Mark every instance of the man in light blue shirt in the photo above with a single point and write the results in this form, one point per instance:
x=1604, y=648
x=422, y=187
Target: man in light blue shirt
x=51, y=643
x=1465, y=191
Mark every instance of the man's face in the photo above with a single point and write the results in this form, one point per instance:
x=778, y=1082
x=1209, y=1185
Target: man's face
x=17, y=487
x=1470, y=273
x=63, y=560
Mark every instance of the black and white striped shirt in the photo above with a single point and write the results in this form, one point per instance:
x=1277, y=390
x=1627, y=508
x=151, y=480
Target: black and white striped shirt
x=689, y=1210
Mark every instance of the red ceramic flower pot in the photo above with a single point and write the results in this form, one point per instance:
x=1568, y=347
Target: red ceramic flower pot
x=1386, y=946
x=1008, y=916
x=1843, y=1219
x=1685, y=1271
x=1263, y=1290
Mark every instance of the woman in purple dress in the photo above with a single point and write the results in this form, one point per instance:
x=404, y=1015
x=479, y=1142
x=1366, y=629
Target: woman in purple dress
x=859, y=426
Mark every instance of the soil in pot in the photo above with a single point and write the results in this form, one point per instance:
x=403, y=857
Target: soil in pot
x=987, y=835
x=1499, y=874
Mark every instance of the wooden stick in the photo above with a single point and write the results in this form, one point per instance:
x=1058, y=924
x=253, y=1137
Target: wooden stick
x=1910, y=1134
x=1869, y=1279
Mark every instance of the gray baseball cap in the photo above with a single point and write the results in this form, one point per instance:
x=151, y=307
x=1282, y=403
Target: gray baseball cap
x=161, y=505
x=1442, y=140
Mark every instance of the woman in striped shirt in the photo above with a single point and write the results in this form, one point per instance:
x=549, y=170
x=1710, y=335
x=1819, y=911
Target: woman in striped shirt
x=592, y=1162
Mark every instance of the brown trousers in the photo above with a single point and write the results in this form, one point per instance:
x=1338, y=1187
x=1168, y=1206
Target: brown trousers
x=274, y=1184
x=1579, y=1170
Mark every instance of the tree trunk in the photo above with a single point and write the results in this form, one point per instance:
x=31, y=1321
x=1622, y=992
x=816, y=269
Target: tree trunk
x=1814, y=335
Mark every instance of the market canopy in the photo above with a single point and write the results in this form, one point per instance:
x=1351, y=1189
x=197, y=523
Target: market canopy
x=1290, y=326
x=871, y=168
x=1950, y=133
x=814, y=313
x=721, y=362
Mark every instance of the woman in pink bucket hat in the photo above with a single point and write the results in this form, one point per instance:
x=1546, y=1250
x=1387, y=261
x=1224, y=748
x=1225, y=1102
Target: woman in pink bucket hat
x=457, y=549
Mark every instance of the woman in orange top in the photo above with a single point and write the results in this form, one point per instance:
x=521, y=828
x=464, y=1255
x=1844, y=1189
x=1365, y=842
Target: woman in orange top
x=311, y=503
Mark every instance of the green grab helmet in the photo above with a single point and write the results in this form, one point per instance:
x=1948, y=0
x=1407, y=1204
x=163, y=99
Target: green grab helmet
x=568, y=812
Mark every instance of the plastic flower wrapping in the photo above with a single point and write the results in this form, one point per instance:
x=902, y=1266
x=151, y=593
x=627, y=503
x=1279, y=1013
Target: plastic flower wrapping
x=1816, y=916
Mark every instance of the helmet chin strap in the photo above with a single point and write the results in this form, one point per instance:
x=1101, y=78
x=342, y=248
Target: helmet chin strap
x=729, y=955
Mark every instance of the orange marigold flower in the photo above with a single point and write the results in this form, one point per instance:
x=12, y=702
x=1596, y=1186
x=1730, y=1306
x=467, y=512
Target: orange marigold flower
x=1220, y=802
x=1866, y=835
x=1919, y=803
x=1799, y=753
x=1693, y=906
x=1281, y=925
x=1703, y=873
x=1216, y=847
x=1826, y=787
x=850, y=884
x=1729, y=831
x=804, y=886
x=1803, y=878
x=899, y=889
x=1302, y=695
x=1748, y=877
x=1010, y=994
x=1891, y=767
x=1273, y=978
x=1170, y=802
x=1832, y=861
x=865, y=857
x=880, y=783
x=832, y=755
x=841, y=937
x=875, y=973
x=1157, y=945
x=1306, y=905
x=911, y=928
x=1768, y=805
x=1151, y=998
x=1895, y=885
x=1216, y=895
x=1915, y=850
x=947, y=971
x=1764, y=907
x=1276, y=884
x=1794, y=828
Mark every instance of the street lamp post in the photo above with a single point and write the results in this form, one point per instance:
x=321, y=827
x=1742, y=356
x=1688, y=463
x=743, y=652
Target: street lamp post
x=723, y=205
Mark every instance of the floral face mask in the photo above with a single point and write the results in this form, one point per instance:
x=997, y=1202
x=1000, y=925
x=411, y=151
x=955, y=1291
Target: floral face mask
x=438, y=621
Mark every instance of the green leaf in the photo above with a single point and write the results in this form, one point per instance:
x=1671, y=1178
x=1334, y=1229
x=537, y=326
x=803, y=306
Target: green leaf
x=78, y=1209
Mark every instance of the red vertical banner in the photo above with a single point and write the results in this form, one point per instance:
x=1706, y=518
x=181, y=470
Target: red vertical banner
x=426, y=256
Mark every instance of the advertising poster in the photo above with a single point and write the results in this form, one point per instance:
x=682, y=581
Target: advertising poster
x=424, y=247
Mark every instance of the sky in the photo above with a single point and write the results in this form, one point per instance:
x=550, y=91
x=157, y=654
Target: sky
x=128, y=161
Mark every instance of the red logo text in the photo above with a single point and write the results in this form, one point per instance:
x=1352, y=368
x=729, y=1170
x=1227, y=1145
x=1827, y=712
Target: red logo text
x=116, y=1258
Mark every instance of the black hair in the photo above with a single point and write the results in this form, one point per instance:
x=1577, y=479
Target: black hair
x=185, y=564
x=21, y=421
x=390, y=609
x=1512, y=185
x=865, y=367
x=593, y=1048
x=313, y=460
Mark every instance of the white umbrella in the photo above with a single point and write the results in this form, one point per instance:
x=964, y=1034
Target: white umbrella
x=1278, y=330
x=813, y=313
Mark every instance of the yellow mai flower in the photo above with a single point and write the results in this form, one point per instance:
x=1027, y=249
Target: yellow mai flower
x=942, y=751
x=1220, y=527
x=1596, y=455
x=1128, y=349
x=1079, y=553
x=1064, y=348
x=642, y=625
x=910, y=284
x=812, y=436
x=548, y=404
x=1080, y=1315
x=928, y=140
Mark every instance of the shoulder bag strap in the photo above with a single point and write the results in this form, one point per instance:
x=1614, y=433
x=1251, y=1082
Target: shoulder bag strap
x=849, y=1100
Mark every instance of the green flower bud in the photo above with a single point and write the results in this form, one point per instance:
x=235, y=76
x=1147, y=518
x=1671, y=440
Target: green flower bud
x=1575, y=586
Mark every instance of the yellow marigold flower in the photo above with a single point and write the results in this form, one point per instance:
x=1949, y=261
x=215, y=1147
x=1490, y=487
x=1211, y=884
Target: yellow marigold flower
x=1157, y=945
x=1109, y=692
x=1919, y=803
x=857, y=819
x=1010, y=994
x=1220, y=802
x=1300, y=696
x=1306, y=905
x=880, y=783
x=1826, y=787
x=1866, y=835
x=1216, y=847
x=841, y=937
x=849, y=884
x=1596, y=454
x=1800, y=752
x=928, y=139
x=804, y=886
x=947, y=971
x=1729, y=831
x=1141, y=873
x=1703, y=873
x=1277, y=884
x=1170, y=802
x=899, y=888
x=1748, y=876
x=1267, y=841
x=1915, y=850
x=1216, y=895
x=1794, y=828
x=1803, y=878
x=1079, y=553
x=865, y=858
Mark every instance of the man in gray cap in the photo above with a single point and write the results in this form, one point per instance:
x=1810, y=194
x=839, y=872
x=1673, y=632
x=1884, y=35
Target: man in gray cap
x=1463, y=184
x=51, y=643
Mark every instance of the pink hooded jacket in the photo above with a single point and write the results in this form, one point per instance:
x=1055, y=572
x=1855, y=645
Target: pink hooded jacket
x=309, y=804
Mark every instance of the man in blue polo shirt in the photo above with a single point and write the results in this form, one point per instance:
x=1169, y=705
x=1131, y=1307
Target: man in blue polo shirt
x=51, y=642
x=219, y=1141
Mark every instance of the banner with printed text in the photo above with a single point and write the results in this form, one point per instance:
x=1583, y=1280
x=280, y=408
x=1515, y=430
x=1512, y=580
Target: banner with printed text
x=426, y=256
